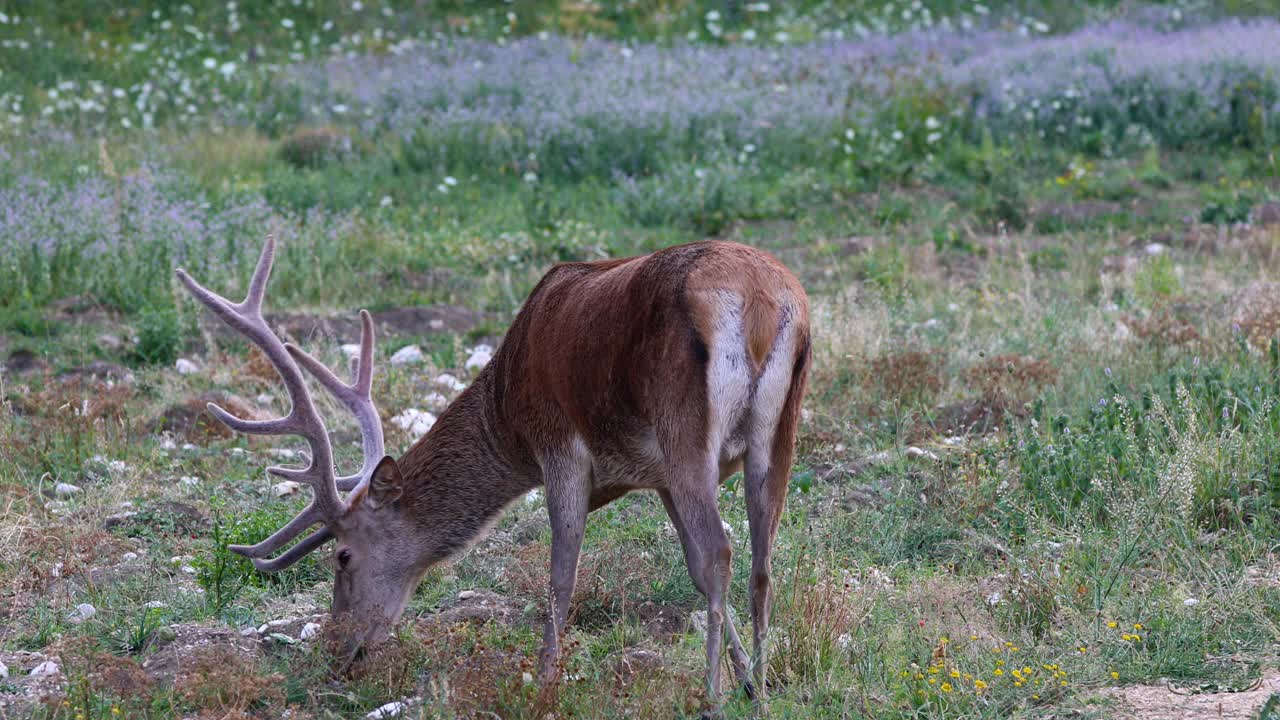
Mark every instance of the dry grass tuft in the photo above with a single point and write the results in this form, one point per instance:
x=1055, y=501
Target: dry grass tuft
x=219, y=683
x=1006, y=383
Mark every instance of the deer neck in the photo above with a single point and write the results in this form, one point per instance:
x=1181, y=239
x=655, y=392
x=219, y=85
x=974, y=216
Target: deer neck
x=460, y=476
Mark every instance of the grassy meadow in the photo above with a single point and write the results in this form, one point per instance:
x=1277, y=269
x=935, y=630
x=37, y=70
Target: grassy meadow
x=1039, y=466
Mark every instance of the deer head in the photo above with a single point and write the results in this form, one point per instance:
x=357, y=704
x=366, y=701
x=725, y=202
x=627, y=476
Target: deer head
x=374, y=574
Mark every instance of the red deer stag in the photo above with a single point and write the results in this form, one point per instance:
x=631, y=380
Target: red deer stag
x=664, y=372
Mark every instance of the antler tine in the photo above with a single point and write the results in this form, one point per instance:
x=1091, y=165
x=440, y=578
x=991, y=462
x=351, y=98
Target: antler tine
x=303, y=420
x=356, y=396
x=281, y=537
x=295, y=553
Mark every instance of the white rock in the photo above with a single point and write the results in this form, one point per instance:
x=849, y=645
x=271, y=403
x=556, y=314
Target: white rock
x=249, y=632
x=167, y=443
x=527, y=678
x=351, y=350
x=65, y=489
x=921, y=454
x=155, y=605
x=480, y=356
x=533, y=497
x=1154, y=249
x=189, y=480
x=436, y=401
x=309, y=631
x=414, y=421
x=449, y=382
x=1190, y=602
x=4, y=670
x=392, y=709
x=83, y=612
x=46, y=668
x=129, y=557
x=282, y=453
x=407, y=355
x=186, y=367
x=285, y=488
x=187, y=569
x=264, y=399
x=466, y=594
x=57, y=507
x=262, y=629
x=239, y=451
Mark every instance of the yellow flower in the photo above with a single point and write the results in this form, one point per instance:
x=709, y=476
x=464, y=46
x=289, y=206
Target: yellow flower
x=1017, y=683
x=980, y=684
x=1035, y=697
x=1115, y=675
x=946, y=687
x=1136, y=638
x=1083, y=649
x=944, y=640
x=1113, y=624
x=1026, y=671
x=933, y=670
x=1063, y=683
x=955, y=673
x=973, y=637
x=999, y=663
x=999, y=672
x=1017, y=673
x=933, y=681
x=1137, y=626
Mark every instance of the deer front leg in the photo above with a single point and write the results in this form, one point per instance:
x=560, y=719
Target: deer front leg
x=568, y=493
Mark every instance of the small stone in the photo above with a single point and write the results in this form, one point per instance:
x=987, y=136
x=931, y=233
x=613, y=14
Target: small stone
x=285, y=488
x=351, y=350
x=282, y=639
x=83, y=612
x=129, y=557
x=155, y=605
x=310, y=630
x=414, y=421
x=282, y=453
x=407, y=355
x=392, y=709
x=65, y=489
x=249, y=632
x=480, y=356
x=57, y=507
x=189, y=480
x=46, y=668
x=167, y=443
x=263, y=628
x=1153, y=249
x=527, y=678
x=449, y=382
x=466, y=594
x=916, y=453
x=4, y=670
x=436, y=401
x=264, y=399
x=186, y=367
x=1190, y=602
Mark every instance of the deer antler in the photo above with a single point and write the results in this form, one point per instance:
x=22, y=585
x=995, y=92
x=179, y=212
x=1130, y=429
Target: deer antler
x=303, y=420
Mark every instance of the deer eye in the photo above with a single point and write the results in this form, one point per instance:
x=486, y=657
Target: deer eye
x=344, y=557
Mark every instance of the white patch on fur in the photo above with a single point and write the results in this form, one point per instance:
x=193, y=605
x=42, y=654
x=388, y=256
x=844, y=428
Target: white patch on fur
x=771, y=394
x=728, y=372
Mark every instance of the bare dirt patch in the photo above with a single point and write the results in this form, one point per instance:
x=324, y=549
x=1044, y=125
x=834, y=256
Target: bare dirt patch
x=410, y=321
x=1160, y=702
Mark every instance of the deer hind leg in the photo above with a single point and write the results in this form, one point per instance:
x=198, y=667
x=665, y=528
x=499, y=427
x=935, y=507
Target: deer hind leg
x=737, y=653
x=568, y=485
x=708, y=554
x=767, y=474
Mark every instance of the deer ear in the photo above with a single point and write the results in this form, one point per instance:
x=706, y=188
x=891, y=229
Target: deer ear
x=387, y=484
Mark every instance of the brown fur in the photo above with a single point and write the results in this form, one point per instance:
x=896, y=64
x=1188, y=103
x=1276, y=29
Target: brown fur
x=600, y=387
